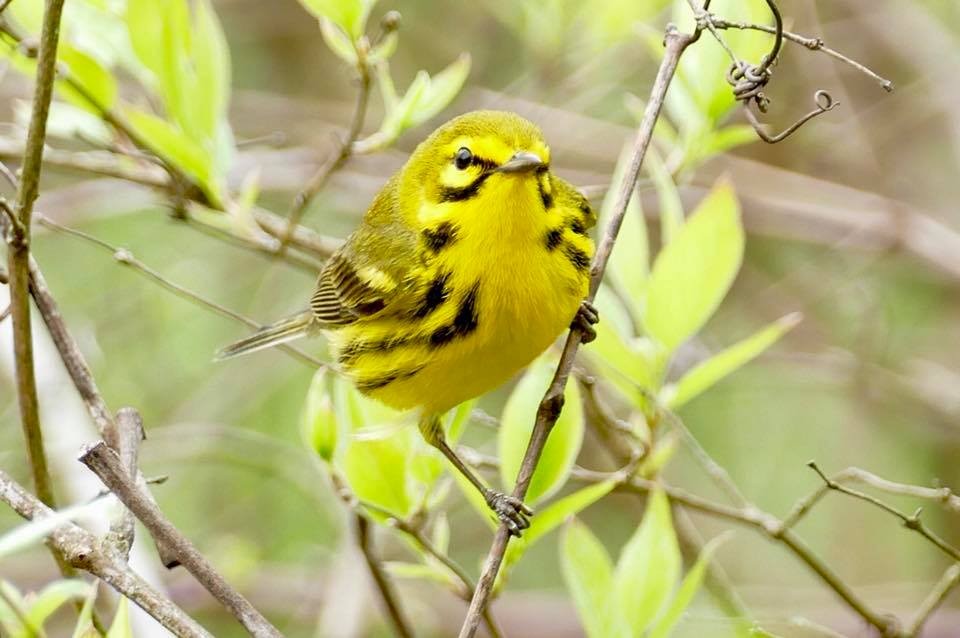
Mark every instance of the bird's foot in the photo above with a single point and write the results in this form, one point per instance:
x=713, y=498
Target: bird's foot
x=510, y=510
x=586, y=318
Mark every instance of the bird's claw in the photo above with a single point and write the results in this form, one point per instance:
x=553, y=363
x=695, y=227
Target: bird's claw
x=586, y=318
x=510, y=510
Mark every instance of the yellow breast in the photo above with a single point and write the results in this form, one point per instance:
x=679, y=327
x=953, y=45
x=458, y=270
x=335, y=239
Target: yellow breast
x=498, y=288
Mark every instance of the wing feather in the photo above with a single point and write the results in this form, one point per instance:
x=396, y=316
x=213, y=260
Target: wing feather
x=374, y=271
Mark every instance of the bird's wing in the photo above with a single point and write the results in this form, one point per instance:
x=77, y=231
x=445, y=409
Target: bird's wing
x=375, y=271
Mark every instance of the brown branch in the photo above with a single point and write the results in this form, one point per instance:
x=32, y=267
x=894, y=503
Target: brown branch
x=126, y=258
x=949, y=580
x=910, y=521
x=124, y=437
x=81, y=550
x=387, y=594
x=416, y=535
x=342, y=154
x=675, y=43
x=106, y=464
x=812, y=44
x=765, y=523
x=943, y=495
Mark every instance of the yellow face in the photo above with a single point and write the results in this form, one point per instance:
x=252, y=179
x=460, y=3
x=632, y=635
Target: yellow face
x=480, y=161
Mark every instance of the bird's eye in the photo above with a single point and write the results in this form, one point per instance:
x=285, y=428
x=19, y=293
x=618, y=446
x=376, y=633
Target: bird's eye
x=463, y=158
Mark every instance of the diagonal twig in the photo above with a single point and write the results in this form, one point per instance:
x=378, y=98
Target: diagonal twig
x=549, y=410
x=81, y=550
x=127, y=258
x=106, y=464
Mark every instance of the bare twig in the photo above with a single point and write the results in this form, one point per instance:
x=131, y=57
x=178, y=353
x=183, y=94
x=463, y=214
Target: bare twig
x=910, y=521
x=716, y=471
x=18, y=252
x=80, y=549
x=675, y=42
x=124, y=437
x=126, y=258
x=949, y=580
x=387, y=594
x=812, y=44
x=106, y=464
x=765, y=523
x=338, y=159
x=943, y=495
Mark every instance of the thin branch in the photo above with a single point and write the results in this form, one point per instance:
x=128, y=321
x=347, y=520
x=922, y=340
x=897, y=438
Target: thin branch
x=126, y=258
x=943, y=495
x=765, y=523
x=910, y=521
x=124, y=437
x=949, y=580
x=105, y=463
x=812, y=44
x=18, y=251
x=549, y=410
x=387, y=594
x=80, y=549
x=69, y=350
x=717, y=473
x=342, y=154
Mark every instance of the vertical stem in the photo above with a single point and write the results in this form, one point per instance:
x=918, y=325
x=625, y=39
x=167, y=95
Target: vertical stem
x=675, y=43
x=387, y=594
x=18, y=253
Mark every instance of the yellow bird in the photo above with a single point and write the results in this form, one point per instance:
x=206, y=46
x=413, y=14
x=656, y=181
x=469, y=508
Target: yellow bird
x=470, y=262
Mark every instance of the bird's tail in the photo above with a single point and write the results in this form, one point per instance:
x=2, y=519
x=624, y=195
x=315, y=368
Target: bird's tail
x=282, y=331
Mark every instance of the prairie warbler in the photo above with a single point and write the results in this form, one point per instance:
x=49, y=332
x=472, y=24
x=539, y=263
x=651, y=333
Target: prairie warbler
x=470, y=262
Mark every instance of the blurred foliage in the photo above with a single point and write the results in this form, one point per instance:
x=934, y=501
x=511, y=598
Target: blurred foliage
x=689, y=300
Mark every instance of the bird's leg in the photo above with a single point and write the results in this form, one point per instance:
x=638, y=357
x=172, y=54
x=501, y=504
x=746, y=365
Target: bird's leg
x=510, y=510
x=585, y=319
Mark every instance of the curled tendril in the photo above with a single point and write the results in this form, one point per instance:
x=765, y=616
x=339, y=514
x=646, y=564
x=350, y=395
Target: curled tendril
x=824, y=102
x=749, y=80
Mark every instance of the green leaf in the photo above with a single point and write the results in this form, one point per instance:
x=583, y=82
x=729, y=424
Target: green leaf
x=548, y=519
x=553, y=515
x=84, y=627
x=693, y=273
x=53, y=597
x=649, y=566
x=120, y=628
x=421, y=571
x=211, y=61
x=173, y=145
x=440, y=91
x=338, y=41
x=476, y=500
x=160, y=34
x=424, y=98
x=707, y=373
x=318, y=424
x=12, y=610
x=629, y=261
x=96, y=81
x=376, y=470
x=588, y=573
x=625, y=360
x=671, y=208
x=385, y=49
x=517, y=421
x=349, y=15
x=688, y=589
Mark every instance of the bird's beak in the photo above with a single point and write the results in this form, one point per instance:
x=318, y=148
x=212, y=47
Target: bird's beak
x=521, y=162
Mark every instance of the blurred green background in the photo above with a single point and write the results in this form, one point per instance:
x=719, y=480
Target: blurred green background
x=853, y=222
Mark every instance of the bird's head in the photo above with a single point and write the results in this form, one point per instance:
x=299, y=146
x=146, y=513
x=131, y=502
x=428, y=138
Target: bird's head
x=494, y=161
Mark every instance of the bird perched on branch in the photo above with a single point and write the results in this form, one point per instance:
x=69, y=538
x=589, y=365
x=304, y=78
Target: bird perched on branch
x=470, y=262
